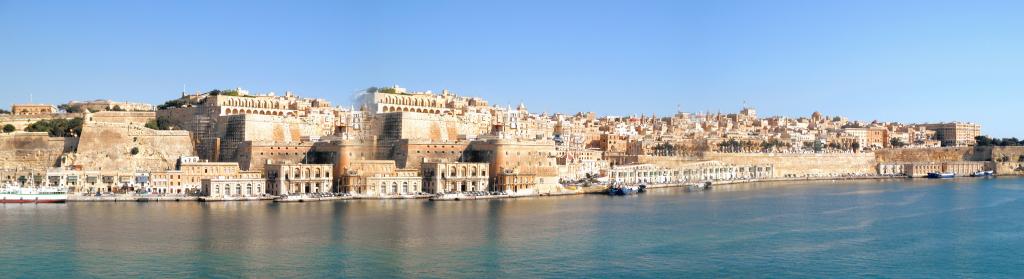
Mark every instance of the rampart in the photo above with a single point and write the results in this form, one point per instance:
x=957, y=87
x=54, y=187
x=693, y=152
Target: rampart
x=109, y=147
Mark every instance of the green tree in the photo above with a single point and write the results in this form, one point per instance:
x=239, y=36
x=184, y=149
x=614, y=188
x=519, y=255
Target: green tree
x=8, y=128
x=896, y=142
x=135, y=151
x=57, y=127
x=4, y=111
x=159, y=123
x=176, y=103
x=69, y=109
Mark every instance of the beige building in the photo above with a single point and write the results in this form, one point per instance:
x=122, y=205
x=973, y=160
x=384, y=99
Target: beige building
x=292, y=178
x=233, y=187
x=380, y=178
x=188, y=177
x=442, y=178
x=108, y=105
x=32, y=109
x=955, y=133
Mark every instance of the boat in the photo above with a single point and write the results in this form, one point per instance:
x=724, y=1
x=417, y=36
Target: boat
x=642, y=188
x=623, y=190
x=698, y=187
x=983, y=173
x=941, y=175
x=33, y=195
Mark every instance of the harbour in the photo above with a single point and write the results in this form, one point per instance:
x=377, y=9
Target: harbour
x=860, y=228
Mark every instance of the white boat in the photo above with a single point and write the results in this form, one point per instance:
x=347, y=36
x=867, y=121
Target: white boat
x=33, y=195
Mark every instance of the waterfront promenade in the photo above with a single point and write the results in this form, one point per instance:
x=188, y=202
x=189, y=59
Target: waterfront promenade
x=578, y=190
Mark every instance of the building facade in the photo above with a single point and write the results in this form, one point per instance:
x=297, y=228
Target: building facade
x=442, y=178
x=290, y=178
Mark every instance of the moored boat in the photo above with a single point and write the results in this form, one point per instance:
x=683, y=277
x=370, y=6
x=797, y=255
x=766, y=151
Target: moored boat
x=33, y=195
x=941, y=175
x=983, y=173
x=622, y=190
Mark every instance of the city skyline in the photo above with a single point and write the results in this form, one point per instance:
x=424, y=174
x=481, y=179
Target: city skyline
x=905, y=62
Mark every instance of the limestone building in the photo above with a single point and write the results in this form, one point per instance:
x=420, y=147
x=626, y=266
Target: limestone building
x=455, y=177
x=32, y=109
x=955, y=133
x=380, y=178
x=233, y=187
x=294, y=178
x=188, y=177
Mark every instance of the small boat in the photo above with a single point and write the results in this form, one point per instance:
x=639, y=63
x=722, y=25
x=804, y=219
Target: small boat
x=623, y=190
x=33, y=195
x=642, y=188
x=941, y=175
x=698, y=187
x=983, y=173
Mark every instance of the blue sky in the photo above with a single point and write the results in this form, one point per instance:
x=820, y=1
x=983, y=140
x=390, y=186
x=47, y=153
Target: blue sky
x=908, y=61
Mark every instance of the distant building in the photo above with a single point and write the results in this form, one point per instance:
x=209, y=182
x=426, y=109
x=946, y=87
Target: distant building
x=955, y=133
x=32, y=109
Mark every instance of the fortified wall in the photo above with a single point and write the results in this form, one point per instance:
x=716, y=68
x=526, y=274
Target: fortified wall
x=425, y=126
x=108, y=147
x=127, y=117
x=1008, y=159
x=942, y=154
x=803, y=165
x=31, y=151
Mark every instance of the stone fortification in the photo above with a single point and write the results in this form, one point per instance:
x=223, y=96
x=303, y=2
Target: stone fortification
x=1008, y=159
x=31, y=151
x=109, y=147
x=944, y=154
x=803, y=165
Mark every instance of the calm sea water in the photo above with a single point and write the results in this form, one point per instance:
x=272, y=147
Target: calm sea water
x=897, y=228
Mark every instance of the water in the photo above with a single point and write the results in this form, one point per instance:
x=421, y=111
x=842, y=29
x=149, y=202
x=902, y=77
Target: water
x=897, y=228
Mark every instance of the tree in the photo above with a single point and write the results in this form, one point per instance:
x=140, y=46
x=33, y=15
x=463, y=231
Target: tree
x=983, y=140
x=135, y=151
x=159, y=123
x=69, y=109
x=176, y=103
x=8, y=128
x=4, y=111
x=117, y=108
x=856, y=146
x=897, y=143
x=57, y=127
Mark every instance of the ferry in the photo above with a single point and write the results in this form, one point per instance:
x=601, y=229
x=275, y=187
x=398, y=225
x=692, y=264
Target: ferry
x=11, y=194
x=941, y=175
x=983, y=173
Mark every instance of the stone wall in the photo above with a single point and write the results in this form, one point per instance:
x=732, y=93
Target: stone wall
x=803, y=165
x=1008, y=159
x=128, y=117
x=944, y=154
x=107, y=147
x=31, y=151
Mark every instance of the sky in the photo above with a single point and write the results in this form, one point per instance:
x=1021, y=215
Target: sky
x=907, y=61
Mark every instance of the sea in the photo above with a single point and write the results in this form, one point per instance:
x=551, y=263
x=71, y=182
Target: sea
x=898, y=228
